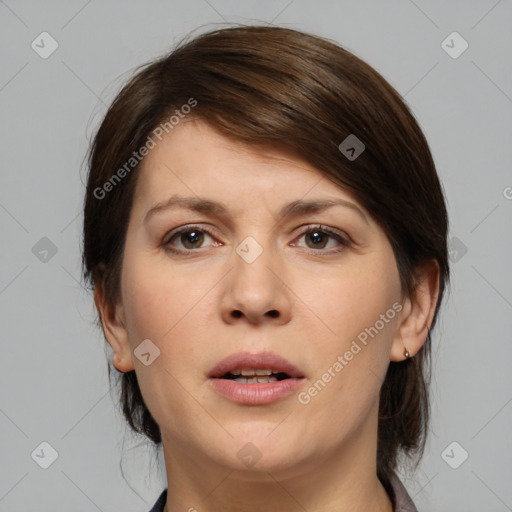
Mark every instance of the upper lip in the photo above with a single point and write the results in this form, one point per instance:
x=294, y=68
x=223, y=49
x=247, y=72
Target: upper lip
x=259, y=361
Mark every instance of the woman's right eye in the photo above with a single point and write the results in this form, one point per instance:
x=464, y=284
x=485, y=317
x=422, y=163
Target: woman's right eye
x=187, y=239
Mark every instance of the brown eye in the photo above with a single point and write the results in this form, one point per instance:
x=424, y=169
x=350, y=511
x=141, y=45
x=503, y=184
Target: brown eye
x=192, y=239
x=317, y=239
x=320, y=239
x=188, y=239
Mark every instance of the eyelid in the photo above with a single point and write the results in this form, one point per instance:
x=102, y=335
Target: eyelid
x=322, y=227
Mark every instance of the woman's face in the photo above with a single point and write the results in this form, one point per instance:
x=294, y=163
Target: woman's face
x=247, y=262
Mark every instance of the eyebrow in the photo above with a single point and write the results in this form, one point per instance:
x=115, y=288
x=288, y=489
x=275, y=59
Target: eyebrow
x=293, y=209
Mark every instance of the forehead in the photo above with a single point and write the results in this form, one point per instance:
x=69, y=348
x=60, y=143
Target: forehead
x=195, y=159
x=195, y=141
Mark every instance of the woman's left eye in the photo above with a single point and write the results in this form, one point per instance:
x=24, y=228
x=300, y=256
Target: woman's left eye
x=322, y=238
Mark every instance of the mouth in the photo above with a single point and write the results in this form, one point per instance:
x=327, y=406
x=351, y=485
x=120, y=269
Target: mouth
x=255, y=379
x=255, y=376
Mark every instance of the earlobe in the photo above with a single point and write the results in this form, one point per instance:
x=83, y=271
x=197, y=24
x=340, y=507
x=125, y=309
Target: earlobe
x=114, y=329
x=417, y=313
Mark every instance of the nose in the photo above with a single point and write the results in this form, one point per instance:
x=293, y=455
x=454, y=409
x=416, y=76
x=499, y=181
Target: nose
x=255, y=291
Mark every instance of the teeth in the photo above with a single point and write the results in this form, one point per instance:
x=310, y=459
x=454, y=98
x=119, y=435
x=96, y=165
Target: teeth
x=251, y=373
x=255, y=380
x=263, y=372
x=266, y=379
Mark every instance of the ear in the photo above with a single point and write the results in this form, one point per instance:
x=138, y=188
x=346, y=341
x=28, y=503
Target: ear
x=114, y=328
x=417, y=312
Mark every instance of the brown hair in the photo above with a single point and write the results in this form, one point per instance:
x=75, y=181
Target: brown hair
x=276, y=86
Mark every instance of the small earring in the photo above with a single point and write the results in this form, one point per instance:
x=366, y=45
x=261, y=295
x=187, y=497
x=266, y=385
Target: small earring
x=406, y=353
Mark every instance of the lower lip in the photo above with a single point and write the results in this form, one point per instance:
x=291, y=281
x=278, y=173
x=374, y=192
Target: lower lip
x=256, y=394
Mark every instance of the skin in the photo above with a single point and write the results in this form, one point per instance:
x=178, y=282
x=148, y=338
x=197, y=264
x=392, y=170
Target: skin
x=319, y=456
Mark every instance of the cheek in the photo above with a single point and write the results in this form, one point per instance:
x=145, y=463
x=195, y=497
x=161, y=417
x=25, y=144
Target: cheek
x=164, y=305
x=148, y=303
x=357, y=305
x=351, y=298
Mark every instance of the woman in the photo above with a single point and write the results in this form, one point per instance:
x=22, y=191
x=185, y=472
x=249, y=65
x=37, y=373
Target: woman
x=265, y=234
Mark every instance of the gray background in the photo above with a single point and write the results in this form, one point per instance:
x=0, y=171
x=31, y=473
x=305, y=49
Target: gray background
x=53, y=381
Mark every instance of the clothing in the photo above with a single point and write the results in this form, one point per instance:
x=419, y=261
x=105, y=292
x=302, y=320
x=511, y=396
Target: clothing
x=403, y=501
x=160, y=504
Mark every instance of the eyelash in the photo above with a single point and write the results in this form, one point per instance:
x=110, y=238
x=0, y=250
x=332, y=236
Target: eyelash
x=344, y=241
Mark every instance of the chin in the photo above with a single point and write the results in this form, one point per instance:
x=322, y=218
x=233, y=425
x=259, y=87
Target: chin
x=252, y=453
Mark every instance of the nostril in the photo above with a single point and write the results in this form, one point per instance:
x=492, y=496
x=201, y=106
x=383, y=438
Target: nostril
x=236, y=313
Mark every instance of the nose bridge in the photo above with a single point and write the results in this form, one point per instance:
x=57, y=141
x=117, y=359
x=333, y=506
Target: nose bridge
x=252, y=276
x=254, y=291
